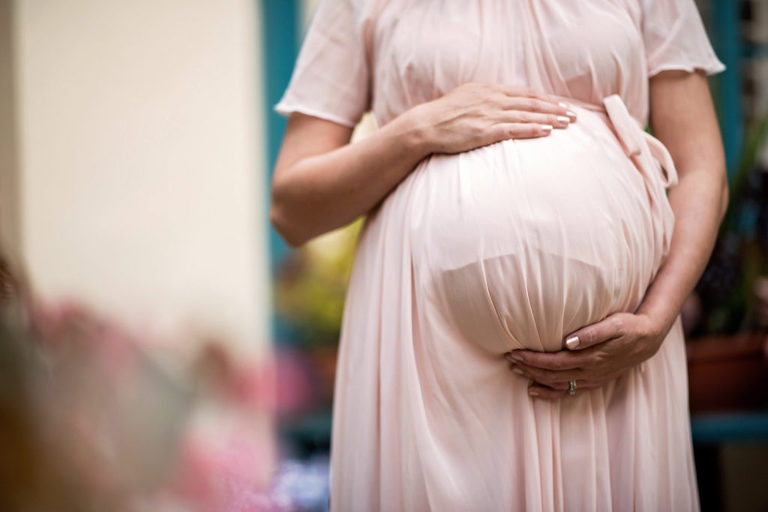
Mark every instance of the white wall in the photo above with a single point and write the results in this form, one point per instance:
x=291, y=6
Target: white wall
x=141, y=160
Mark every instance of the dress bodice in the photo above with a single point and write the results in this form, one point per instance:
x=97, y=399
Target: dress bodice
x=585, y=50
x=389, y=55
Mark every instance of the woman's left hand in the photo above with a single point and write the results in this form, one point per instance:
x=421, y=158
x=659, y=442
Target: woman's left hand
x=603, y=351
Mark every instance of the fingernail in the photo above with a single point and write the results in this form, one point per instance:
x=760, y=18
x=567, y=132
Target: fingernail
x=572, y=342
x=571, y=114
x=562, y=104
x=533, y=392
x=515, y=358
x=518, y=371
x=546, y=128
x=563, y=120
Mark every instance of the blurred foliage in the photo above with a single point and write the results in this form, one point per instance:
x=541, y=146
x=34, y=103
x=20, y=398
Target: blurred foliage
x=312, y=285
x=740, y=257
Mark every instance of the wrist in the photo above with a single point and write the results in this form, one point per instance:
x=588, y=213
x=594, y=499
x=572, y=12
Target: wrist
x=416, y=131
x=661, y=307
x=654, y=331
x=659, y=321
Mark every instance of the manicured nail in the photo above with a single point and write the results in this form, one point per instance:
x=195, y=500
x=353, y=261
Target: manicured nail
x=571, y=114
x=515, y=358
x=533, y=392
x=572, y=342
x=546, y=128
x=562, y=104
x=563, y=120
x=518, y=371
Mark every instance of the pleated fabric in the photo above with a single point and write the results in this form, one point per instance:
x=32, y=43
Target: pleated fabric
x=512, y=245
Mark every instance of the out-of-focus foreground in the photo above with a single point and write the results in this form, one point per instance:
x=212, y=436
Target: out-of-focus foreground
x=92, y=419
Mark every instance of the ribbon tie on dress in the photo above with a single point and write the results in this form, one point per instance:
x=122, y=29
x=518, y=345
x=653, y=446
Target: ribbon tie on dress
x=655, y=164
x=635, y=138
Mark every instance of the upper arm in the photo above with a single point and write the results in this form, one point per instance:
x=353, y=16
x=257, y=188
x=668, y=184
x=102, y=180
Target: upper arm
x=307, y=136
x=679, y=56
x=330, y=87
x=331, y=79
x=683, y=118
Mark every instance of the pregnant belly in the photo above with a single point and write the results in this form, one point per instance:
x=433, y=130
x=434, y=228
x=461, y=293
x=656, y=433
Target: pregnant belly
x=518, y=243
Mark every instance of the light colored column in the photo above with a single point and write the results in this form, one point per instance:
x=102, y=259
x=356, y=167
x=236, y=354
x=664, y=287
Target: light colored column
x=141, y=156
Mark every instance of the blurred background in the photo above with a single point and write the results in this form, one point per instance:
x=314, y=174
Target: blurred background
x=163, y=349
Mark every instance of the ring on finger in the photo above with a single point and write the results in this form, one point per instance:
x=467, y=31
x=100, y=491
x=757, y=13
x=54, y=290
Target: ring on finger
x=572, y=387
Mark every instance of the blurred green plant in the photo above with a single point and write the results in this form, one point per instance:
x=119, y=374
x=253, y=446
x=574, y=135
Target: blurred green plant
x=740, y=256
x=312, y=285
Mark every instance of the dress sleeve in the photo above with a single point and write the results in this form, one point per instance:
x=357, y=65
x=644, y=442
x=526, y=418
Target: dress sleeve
x=331, y=79
x=674, y=38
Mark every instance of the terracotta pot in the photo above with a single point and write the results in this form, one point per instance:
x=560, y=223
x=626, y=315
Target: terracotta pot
x=728, y=373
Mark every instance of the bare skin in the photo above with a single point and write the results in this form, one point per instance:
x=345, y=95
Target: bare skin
x=683, y=118
x=322, y=182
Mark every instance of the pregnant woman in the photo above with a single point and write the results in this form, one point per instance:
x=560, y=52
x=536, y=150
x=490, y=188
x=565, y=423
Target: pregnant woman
x=511, y=338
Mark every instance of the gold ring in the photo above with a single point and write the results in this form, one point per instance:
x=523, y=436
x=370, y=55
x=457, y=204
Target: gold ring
x=572, y=387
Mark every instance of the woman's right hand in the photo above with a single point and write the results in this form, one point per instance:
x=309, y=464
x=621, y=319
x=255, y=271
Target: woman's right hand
x=321, y=182
x=475, y=114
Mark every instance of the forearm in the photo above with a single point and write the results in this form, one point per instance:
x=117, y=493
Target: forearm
x=325, y=191
x=683, y=118
x=699, y=202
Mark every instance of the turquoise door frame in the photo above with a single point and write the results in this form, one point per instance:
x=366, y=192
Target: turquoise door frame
x=726, y=38
x=280, y=20
x=280, y=31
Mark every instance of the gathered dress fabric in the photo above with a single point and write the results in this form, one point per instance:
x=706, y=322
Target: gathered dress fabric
x=508, y=246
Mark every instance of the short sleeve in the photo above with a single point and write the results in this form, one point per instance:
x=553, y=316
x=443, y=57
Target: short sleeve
x=331, y=79
x=674, y=38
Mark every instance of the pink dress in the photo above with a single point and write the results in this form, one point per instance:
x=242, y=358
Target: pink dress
x=507, y=246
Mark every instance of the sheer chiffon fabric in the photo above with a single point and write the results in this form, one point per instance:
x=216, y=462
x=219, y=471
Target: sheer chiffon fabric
x=511, y=245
